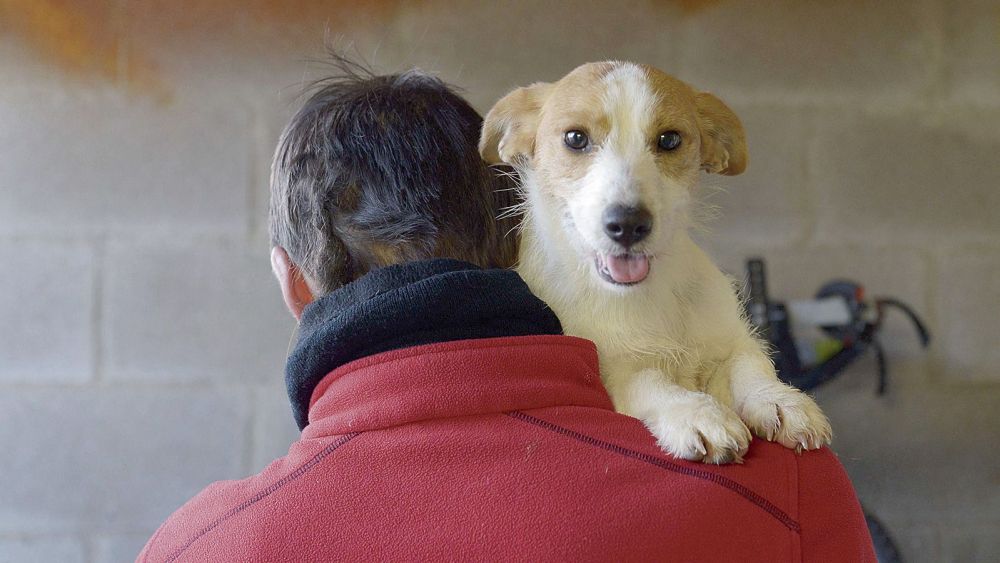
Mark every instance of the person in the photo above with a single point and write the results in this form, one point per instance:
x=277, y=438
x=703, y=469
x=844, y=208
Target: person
x=444, y=415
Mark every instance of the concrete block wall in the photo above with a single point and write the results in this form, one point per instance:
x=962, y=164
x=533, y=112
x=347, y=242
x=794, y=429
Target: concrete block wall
x=142, y=337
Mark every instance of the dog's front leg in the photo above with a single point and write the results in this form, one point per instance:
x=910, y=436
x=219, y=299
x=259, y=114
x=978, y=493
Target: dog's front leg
x=773, y=410
x=688, y=424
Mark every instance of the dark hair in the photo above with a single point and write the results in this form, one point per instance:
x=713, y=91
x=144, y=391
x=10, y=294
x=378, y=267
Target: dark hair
x=376, y=170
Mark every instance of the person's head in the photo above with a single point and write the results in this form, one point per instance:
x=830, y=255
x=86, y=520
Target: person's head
x=378, y=170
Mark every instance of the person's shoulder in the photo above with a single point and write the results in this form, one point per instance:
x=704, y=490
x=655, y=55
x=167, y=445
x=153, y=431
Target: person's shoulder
x=768, y=475
x=787, y=497
x=831, y=521
x=822, y=477
x=769, y=471
x=200, y=515
x=188, y=523
x=192, y=528
x=820, y=463
x=813, y=473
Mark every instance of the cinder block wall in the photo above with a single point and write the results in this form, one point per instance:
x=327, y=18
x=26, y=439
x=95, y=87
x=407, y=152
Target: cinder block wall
x=142, y=339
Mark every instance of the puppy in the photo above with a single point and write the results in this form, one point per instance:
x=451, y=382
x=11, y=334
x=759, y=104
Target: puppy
x=608, y=157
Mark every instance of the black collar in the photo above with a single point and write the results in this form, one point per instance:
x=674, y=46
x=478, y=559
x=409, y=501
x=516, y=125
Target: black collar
x=409, y=305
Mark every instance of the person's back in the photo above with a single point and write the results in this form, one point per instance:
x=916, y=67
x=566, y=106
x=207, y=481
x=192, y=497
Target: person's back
x=445, y=416
x=503, y=447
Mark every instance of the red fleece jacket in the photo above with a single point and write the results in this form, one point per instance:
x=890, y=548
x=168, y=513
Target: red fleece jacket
x=507, y=449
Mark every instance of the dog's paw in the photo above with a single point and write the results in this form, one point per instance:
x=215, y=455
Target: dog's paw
x=701, y=429
x=783, y=414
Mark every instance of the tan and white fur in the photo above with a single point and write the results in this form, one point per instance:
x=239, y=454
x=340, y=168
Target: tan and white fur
x=675, y=350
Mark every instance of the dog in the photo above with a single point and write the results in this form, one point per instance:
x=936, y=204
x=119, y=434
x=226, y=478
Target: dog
x=608, y=157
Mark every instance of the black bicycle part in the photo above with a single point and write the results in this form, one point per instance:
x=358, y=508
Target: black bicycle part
x=918, y=324
x=886, y=549
x=855, y=337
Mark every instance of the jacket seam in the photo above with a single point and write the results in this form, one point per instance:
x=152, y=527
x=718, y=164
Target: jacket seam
x=454, y=417
x=667, y=465
x=797, y=480
x=271, y=489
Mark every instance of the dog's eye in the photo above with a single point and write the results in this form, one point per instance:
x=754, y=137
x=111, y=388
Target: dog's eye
x=669, y=140
x=576, y=140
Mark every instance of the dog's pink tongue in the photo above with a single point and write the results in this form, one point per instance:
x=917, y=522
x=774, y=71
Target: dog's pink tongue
x=630, y=268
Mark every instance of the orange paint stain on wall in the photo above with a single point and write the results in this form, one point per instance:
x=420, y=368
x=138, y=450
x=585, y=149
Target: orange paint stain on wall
x=83, y=38
x=191, y=16
x=74, y=35
x=691, y=6
x=117, y=41
x=338, y=13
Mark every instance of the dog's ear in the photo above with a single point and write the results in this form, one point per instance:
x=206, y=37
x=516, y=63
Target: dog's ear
x=509, y=128
x=723, y=142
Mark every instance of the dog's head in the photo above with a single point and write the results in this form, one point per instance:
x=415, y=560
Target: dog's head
x=615, y=149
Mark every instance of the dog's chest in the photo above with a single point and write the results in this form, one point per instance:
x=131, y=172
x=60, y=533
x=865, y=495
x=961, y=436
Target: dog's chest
x=628, y=331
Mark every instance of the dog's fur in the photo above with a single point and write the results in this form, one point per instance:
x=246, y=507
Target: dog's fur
x=676, y=352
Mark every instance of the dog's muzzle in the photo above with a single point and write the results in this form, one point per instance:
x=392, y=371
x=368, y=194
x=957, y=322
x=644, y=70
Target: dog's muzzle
x=626, y=226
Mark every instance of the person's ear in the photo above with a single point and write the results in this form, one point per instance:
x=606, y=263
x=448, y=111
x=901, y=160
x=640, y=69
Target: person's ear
x=510, y=127
x=723, y=142
x=294, y=287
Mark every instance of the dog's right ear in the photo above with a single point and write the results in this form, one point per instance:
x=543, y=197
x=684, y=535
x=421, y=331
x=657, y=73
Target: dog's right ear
x=509, y=128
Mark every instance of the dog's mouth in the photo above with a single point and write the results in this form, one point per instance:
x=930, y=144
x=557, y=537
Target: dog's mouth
x=622, y=269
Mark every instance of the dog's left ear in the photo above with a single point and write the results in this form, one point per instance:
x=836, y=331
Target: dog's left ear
x=723, y=142
x=510, y=127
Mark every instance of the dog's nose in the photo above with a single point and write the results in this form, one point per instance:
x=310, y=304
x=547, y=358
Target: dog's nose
x=627, y=225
